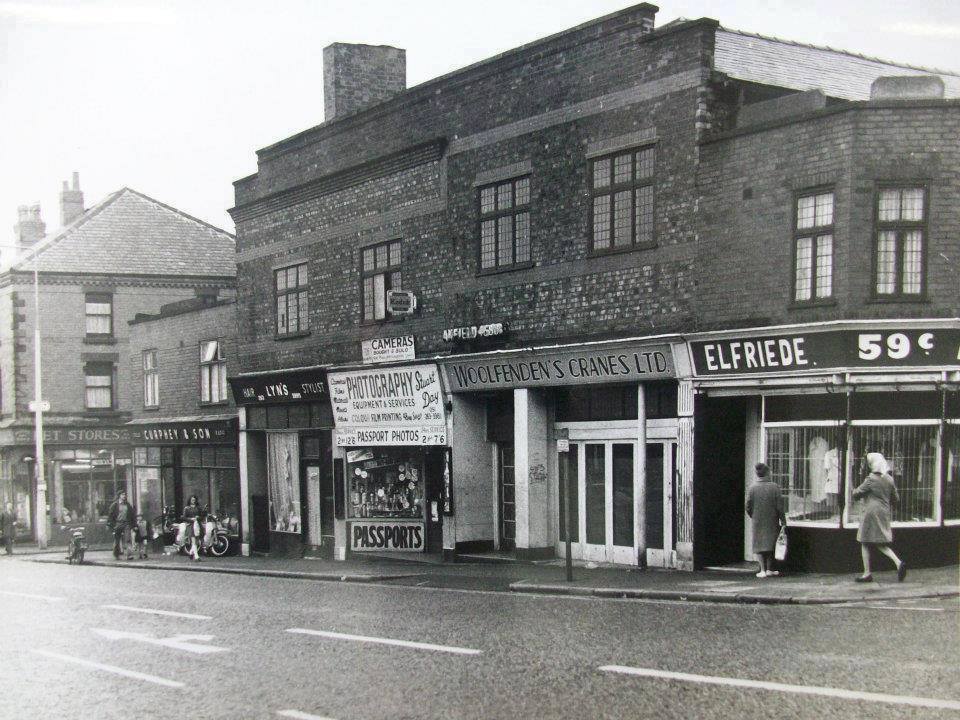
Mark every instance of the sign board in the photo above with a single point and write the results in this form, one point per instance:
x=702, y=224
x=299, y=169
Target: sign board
x=279, y=387
x=389, y=348
x=880, y=348
x=401, y=302
x=186, y=433
x=44, y=406
x=385, y=535
x=388, y=406
x=574, y=366
x=471, y=332
x=563, y=445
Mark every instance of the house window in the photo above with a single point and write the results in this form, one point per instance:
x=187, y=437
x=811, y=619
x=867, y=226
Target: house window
x=99, y=314
x=213, y=372
x=900, y=250
x=380, y=273
x=98, y=384
x=290, y=288
x=151, y=379
x=813, y=248
x=505, y=224
x=622, y=186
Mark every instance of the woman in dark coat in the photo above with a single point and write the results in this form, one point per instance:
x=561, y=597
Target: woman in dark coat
x=765, y=508
x=876, y=491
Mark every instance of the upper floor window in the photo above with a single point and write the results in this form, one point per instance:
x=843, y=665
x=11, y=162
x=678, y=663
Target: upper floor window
x=99, y=314
x=98, y=385
x=213, y=372
x=151, y=379
x=813, y=248
x=380, y=272
x=290, y=289
x=505, y=224
x=901, y=237
x=622, y=186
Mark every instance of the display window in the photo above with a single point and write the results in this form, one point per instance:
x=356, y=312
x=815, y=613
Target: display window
x=385, y=483
x=804, y=460
x=283, y=481
x=86, y=481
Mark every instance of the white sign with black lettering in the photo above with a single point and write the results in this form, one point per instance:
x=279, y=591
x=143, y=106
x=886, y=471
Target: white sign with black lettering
x=388, y=348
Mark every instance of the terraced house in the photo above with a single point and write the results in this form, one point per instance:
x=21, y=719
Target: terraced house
x=626, y=260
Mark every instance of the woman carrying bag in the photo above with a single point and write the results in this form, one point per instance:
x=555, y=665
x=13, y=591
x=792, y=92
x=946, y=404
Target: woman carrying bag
x=765, y=508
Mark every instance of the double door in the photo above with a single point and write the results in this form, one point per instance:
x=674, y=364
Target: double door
x=612, y=496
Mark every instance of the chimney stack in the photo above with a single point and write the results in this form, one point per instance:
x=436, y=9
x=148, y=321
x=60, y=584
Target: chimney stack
x=358, y=76
x=71, y=201
x=30, y=229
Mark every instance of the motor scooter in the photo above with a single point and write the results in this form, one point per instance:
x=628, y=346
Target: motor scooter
x=77, y=546
x=213, y=536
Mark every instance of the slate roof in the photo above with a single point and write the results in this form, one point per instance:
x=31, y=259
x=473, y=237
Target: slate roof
x=130, y=233
x=770, y=61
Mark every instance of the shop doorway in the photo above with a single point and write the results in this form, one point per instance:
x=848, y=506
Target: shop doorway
x=602, y=479
x=506, y=497
x=661, y=477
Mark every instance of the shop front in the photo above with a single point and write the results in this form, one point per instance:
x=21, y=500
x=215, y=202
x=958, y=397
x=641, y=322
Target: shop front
x=811, y=401
x=605, y=420
x=391, y=433
x=287, y=493
x=175, y=458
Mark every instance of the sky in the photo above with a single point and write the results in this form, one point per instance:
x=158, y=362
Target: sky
x=174, y=98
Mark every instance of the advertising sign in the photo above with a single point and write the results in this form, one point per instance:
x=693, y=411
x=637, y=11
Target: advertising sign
x=389, y=348
x=372, y=536
x=869, y=348
x=577, y=366
x=279, y=387
x=388, y=406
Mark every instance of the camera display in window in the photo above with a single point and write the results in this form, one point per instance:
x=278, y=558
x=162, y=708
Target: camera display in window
x=385, y=484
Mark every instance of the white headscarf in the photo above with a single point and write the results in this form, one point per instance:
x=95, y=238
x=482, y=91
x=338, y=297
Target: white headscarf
x=877, y=463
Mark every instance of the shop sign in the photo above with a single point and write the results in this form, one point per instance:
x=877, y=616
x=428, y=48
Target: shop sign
x=578, y=366
x=824, y=350
x=372, y=536
x=472, y=332
x=76, y=436
x=388, y=348
x=220, y=431
x=279, y=387
x=388, y=406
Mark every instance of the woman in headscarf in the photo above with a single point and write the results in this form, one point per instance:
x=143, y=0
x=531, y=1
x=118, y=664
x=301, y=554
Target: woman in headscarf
x=877, y=491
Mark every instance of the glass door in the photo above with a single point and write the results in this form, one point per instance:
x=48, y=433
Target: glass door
x=507, y=496
x=658, y=503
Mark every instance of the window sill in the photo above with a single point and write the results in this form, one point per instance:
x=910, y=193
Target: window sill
x=293, y=336
x=830, y=302
x=384, y=321
x=99, y=340
x=214, y=404
x=505, y=269
x=621, y=250
x=102, y=411
x=151, y=408
x=899, y=299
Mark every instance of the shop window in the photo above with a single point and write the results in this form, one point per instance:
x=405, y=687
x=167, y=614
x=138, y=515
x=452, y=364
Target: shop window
x=805, y=460
x=213, y=372
x=290, y=291
x=660, y=400
x=911, y=451
x=257, y=418
x=151, y=380
x=149, y=492
x=591, y=403
x=820, y=406
x=99, y=315
x=950, y=499
x=813, y=248
x=500, y=417
x=283, y=481
x=505, y=224
x=900, y=248
x=623, y=195
x=99, y=385
x=210, y=473
x=385, y=483
x=298, y=416
x=380, y=272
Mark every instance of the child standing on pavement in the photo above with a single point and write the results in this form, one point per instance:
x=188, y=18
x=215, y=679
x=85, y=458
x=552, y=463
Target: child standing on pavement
x=142, y=534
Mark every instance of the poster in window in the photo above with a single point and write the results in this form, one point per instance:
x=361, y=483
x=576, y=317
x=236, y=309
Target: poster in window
x=283, y=452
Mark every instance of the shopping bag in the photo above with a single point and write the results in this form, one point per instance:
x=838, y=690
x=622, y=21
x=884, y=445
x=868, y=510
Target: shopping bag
x=780, y=549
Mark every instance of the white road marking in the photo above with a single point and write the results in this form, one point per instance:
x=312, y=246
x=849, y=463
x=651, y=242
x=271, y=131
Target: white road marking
x=177, y=642
x=51, y=598
x=149, y=611
x=782, y=687
x=111, y=669
x=300, y=715
x=387, y=641
x=911, y=609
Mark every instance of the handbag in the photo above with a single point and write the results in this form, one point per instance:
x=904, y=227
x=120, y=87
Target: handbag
x=780, y=549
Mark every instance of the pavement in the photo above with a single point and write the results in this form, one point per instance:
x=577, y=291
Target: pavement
x=492, y=574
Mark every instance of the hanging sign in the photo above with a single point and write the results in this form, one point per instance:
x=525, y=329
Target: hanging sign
x=388, y=406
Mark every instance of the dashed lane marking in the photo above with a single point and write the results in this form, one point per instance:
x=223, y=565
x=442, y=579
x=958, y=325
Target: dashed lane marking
x=110, y=669
x=151, y=611
x=50, y=598
x=387, y=641
x=782, y=687
x=300, y=715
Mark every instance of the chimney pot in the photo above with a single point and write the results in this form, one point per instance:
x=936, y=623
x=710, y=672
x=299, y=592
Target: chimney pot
x=71, y=201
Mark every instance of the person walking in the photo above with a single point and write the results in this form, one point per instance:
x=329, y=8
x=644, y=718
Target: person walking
x=8, y=527
x=877, y=491
x=120, y=519
x=765, y=508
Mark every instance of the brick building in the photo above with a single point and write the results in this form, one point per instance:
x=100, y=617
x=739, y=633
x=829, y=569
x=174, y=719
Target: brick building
x=183, y=420
x=557, y=213
x=128, y=254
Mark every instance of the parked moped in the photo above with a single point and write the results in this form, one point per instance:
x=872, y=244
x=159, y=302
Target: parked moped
x=77, y=546
x=213, y=536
